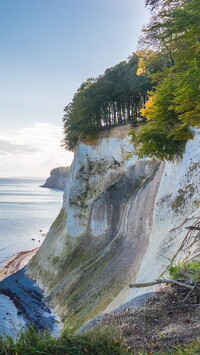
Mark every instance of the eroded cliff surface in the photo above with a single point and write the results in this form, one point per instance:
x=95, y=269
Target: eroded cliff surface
x=123, y=219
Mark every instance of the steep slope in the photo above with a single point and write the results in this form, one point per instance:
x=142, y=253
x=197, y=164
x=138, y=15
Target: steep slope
x=122, y=220
x=57, y=179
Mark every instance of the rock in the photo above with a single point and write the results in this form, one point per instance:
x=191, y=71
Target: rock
x=57, y=179
x=29, y=300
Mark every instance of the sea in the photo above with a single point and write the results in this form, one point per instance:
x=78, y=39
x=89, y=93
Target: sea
x=26, y=213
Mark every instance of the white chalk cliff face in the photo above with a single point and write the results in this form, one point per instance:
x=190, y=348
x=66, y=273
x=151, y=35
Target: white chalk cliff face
x=123, y=220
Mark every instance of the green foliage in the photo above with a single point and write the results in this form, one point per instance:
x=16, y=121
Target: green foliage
x=113, y=98
x=189, y=270
x=172, y=66
x=174, y=103
x=94, y=342
x=157, y=142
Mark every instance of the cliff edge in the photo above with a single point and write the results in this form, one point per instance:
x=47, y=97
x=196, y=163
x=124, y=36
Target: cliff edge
x=123, y=220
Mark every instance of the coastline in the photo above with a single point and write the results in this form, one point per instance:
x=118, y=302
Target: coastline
x=17, y=262
x=25, y=231
x=27, y=297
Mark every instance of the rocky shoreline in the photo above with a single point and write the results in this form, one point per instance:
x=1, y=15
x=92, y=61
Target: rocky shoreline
x=26, y=296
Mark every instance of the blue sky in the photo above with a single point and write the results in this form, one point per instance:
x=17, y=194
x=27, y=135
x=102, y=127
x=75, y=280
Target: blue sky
x=48, y=47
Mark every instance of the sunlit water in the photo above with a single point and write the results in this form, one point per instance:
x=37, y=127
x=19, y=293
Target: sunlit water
x=26, y=214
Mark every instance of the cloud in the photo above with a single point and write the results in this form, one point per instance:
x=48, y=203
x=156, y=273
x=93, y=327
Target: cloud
x=32, y=151
x=13, y=148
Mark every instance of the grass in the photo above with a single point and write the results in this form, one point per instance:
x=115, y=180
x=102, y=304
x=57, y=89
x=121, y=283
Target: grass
x=99, y=342
x=96, y=342
x=192, y=349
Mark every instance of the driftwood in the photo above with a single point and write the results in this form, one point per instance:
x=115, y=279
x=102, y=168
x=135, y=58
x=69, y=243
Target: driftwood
x=162, y=281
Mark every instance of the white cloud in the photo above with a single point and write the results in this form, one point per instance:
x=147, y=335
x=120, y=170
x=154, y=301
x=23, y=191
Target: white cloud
x=32, y=151
x=13, y=148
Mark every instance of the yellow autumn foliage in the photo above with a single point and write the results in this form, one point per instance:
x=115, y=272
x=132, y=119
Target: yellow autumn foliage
x=149, y=110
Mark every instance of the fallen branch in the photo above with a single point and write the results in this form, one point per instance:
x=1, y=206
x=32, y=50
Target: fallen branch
x=193, y=228
x=162, y=281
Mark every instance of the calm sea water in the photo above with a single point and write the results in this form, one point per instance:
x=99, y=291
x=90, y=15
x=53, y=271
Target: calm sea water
x=26, y=213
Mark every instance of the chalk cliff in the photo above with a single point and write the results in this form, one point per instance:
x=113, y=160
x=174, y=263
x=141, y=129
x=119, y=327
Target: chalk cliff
x=57, y=179
x=123, y=220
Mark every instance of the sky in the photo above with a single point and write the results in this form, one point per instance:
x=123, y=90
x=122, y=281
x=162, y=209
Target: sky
x=47, y=49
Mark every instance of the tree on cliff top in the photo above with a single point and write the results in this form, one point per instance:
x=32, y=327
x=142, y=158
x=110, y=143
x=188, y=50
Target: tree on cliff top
x=174, y=101
x=167, y=73
x=113, y=98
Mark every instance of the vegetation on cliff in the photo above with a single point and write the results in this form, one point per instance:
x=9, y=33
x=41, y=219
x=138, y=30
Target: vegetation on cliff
x=103, y=342
x=158, y=85
x=167, y=324
x=173, y=103
x=113, y=98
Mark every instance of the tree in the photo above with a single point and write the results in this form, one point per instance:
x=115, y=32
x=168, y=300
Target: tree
x=113, y=98
x=173, y=104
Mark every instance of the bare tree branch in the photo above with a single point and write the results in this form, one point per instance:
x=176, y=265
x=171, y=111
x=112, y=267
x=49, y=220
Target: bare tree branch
x=161, y=281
